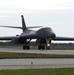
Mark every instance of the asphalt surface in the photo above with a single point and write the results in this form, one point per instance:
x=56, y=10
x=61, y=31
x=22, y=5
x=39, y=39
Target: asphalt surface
x=35, y=63
x=20, y=50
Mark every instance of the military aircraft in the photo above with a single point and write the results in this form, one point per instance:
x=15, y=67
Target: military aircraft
x=43, y=36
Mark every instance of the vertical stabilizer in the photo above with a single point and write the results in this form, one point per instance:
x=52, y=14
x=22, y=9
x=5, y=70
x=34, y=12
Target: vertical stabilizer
x=23, y=24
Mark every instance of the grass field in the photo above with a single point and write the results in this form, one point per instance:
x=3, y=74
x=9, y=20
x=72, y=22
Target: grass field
x=61, y=71
x=11, y=55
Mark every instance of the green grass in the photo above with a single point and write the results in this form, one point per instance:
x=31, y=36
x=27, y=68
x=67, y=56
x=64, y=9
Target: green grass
x=60, y=71
x=11, y=55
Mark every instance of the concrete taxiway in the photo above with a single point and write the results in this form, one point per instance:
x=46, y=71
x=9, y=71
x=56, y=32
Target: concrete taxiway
x=35, y=63
x=19, y=50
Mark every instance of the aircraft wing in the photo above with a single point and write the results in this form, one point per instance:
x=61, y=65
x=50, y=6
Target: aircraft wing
x=63, y=39
x=9, y=38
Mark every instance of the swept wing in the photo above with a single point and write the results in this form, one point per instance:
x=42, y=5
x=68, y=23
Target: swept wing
x=63, y=39
x=9, y=38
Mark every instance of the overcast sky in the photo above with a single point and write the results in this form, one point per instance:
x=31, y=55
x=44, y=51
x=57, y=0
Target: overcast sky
x=57, y=14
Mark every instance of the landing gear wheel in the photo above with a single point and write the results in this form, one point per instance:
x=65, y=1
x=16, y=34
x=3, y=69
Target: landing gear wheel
x=42, y=47
x=39, y=47
x=26, y=47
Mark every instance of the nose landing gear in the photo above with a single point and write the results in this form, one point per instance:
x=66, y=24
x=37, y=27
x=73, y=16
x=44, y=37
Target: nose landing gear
x=48, y=44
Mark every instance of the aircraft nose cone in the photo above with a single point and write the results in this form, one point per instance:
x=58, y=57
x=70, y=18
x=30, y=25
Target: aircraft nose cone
x=53, y=35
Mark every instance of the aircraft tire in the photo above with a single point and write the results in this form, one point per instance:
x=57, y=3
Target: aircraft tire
x=24, y=47
x=39, y=47
x=43, y=47
x=28, y=47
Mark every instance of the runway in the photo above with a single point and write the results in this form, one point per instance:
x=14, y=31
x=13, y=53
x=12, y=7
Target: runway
x=35, y=63
x=20, y=50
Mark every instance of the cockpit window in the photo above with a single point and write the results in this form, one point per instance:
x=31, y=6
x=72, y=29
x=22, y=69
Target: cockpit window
x=48, y=29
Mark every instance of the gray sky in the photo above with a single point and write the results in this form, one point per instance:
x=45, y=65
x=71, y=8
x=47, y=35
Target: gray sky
x=57, y=14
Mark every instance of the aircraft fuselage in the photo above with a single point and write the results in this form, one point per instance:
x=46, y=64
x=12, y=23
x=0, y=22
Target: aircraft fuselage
x=45, y=33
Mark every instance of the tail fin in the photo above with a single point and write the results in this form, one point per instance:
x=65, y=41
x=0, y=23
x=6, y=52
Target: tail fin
x=23, y=24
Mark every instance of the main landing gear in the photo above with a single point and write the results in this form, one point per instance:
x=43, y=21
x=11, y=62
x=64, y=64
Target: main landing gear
x=26, y=45
x=41, y=47
x=44, y=44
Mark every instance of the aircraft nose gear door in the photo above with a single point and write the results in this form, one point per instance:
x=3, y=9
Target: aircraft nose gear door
x=26, y=45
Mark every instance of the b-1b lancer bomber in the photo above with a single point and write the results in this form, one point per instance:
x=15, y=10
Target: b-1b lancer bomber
x=43, y=36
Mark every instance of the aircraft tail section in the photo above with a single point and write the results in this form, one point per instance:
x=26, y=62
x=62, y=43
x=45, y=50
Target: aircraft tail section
x=23, y=24
x=24, y=28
